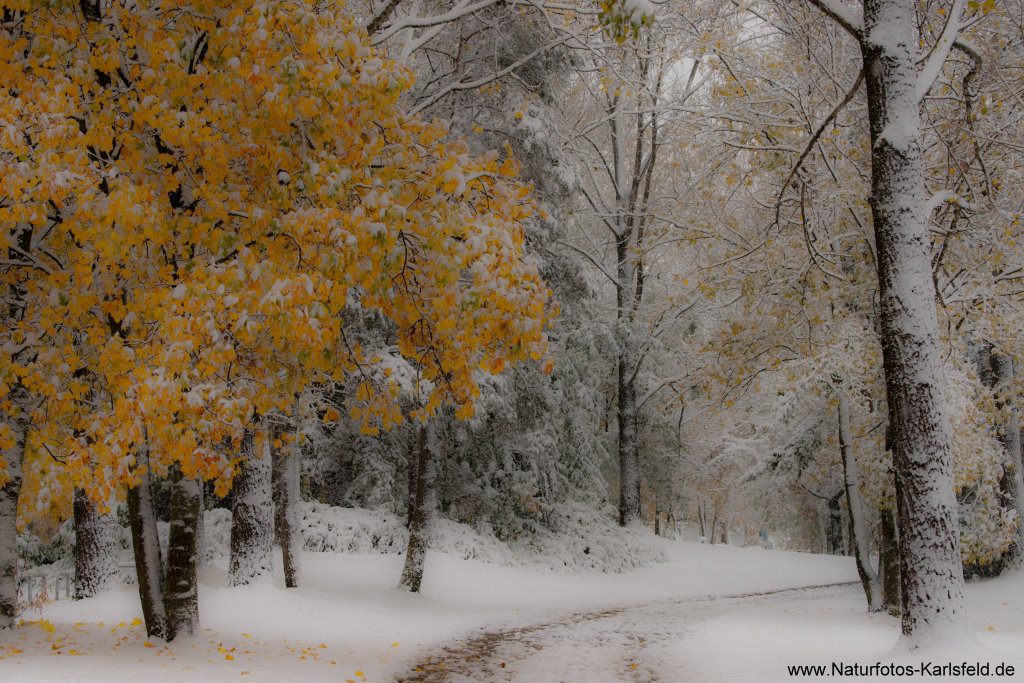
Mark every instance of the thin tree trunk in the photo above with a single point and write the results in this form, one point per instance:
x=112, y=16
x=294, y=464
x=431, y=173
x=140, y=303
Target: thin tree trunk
x=182, y=597
x=834, y=532
x=629, y=453
x=146, y=544
x=931, y=570
x=412, y=470
x=95, y=547
x=286, y=497
x=415, y=554
x=858, y=519
x=889, y=562
x=201, y=526
x=14, y=457
x=1002, y=367
x=252, y=513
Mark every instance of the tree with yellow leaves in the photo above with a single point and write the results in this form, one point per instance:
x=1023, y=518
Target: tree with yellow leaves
x=233, y=176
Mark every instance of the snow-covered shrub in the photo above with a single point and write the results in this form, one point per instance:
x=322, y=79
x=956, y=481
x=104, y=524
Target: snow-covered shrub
x=324, y=528
x=587, y=542
x=590, y=542
x=34, y=551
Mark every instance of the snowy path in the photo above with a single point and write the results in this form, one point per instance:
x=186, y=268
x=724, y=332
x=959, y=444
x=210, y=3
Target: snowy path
x=639, y=642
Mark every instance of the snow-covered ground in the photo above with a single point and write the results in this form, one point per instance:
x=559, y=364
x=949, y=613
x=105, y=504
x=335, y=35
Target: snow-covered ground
x=349, y=623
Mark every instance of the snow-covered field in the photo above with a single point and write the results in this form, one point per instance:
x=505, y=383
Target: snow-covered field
x=349, y=623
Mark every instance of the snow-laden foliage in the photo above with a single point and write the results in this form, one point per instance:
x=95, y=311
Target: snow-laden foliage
x=987, y=521
x=584, y=543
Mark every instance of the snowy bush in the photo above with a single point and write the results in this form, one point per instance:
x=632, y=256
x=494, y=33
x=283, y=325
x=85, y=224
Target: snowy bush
x=589, y=542
x=34, y=551
x=324, y=528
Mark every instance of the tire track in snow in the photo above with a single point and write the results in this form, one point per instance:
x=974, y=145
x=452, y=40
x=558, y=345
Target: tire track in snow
x=621, y=643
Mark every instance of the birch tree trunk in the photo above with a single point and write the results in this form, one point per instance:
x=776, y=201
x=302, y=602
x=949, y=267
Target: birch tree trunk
x=931, y=570
x=286, y=497
x=182, y=597
x=858, y=518
x=95, y=547
x=420, y=516
x=252, y=513
x=14, y=457
x=146, y=544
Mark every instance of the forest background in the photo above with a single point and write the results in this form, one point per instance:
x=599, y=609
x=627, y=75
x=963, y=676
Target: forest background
x=534, y=267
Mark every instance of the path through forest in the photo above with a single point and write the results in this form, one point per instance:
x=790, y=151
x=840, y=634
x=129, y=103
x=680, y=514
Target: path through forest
x=639, y=642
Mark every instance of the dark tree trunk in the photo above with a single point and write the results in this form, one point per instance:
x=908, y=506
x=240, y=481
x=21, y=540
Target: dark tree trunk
x=420, y=515
x=412, y=478
x=14, y=458
x=146, y=544
x=182, y=597
x=629, y=453
x=286, y=497
x=201, y=526
x=889, y=562
x=95, y=547
x=931, y=571
x=834, y=534
x=252, y=514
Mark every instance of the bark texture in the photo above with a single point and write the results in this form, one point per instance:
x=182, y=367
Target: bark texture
x=420, y=515
x=146, y=544
x=14, y=457
x=286, y=497
x=182, y=597
x=629, y=445
x=889, y=562
x=834, y=531
x=95, y=547
x=252, y=513
x=931, y=570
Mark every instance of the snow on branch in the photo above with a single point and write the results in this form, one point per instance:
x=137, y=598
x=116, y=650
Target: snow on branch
x=944, y=196
x=841, y=14
x=940, y=51
x=489, y=78
x=814, y=139
x=463, y=9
